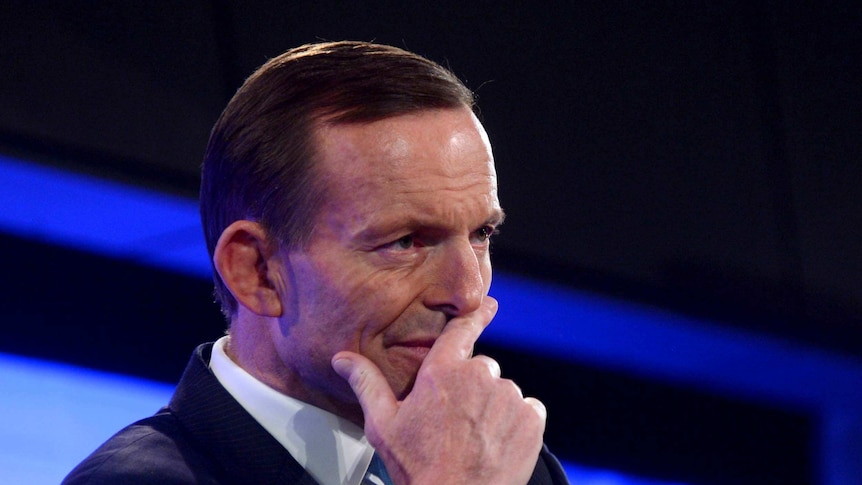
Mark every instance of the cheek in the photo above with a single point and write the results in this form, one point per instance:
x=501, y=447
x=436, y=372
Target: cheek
x=352, y=302
x=350, y=299
x=486, y=271
x=382, y=299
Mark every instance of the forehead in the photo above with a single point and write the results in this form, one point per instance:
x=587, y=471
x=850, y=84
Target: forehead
x=431, y=157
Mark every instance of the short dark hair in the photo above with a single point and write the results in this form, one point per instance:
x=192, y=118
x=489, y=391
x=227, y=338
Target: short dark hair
x=260, y=157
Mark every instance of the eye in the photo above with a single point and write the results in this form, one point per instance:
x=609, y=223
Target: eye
x=405, y=242
x=484, y=234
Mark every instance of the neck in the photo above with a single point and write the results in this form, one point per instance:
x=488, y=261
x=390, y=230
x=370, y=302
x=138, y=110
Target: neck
x=259, y=357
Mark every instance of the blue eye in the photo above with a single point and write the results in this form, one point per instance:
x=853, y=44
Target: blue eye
x=405, y=242
x=485, y=233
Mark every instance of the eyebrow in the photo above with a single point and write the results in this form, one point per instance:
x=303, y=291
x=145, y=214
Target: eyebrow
x=497, y=219
x=374, y=232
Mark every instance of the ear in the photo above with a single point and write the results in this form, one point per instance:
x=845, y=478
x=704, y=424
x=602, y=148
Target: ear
x=247, y=261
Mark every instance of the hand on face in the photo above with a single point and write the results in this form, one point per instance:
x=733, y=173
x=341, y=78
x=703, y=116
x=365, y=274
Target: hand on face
x=461, y=423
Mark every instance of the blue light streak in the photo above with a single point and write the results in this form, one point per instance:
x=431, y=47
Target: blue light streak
x=156, y=229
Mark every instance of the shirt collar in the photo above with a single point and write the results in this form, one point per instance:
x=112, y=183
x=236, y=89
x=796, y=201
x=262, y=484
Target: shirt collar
x=331, y=449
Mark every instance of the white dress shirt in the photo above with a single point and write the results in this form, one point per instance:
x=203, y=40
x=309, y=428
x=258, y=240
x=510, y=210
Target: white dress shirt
x=333, y=450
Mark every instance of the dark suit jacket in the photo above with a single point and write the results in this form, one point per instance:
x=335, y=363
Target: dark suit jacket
x=205, y=436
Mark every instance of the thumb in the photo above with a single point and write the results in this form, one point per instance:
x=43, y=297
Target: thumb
x=370, y=386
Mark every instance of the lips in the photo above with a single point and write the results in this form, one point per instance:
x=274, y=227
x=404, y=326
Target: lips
x=426, y=342
x=411, y=339
x=416, y=348
x=417, y=336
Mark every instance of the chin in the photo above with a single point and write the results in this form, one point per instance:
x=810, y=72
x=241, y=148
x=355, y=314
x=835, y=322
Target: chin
x=403, y=387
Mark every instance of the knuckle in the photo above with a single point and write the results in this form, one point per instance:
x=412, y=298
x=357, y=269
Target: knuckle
x=487, y=365
x=516, y=388
x=430, y=368
x=538, y=408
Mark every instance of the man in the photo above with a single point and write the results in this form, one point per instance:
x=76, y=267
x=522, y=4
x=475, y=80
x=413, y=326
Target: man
x=348, y=196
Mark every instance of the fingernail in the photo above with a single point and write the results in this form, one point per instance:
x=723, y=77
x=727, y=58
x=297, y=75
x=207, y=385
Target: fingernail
x=341, y=366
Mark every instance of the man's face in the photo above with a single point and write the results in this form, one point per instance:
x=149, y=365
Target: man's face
x=399, y=248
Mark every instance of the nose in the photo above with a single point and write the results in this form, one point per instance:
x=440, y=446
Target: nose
x=457, y=279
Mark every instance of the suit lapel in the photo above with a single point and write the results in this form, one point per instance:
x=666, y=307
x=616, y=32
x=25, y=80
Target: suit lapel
x=220, y=426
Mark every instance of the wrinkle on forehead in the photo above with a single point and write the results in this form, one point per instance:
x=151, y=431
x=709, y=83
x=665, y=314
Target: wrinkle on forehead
x=398, y=143
x=433, y=164
x=460, y=145
x=432, y=200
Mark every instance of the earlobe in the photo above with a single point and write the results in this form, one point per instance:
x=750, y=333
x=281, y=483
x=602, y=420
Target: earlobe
x=244, y=257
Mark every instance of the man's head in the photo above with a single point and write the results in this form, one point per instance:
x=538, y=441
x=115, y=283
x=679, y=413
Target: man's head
x=259, y=163
x=367, y=232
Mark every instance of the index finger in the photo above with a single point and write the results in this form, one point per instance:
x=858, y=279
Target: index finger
x=460, y=334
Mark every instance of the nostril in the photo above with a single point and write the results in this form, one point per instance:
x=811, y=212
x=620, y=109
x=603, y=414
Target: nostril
x=448, y=310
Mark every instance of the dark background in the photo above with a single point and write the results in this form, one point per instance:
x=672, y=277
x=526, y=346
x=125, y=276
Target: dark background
x=701, y=157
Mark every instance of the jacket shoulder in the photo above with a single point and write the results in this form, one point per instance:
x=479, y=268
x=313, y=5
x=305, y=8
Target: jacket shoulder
x=548, y=470
x=153, y=450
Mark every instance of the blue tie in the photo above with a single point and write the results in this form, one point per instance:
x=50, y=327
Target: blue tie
x=376, y=474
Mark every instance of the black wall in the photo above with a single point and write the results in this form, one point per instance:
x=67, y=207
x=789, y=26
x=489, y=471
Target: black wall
x=699, y=155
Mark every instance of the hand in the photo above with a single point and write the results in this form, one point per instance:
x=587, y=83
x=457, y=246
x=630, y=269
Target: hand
x=461, y=423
